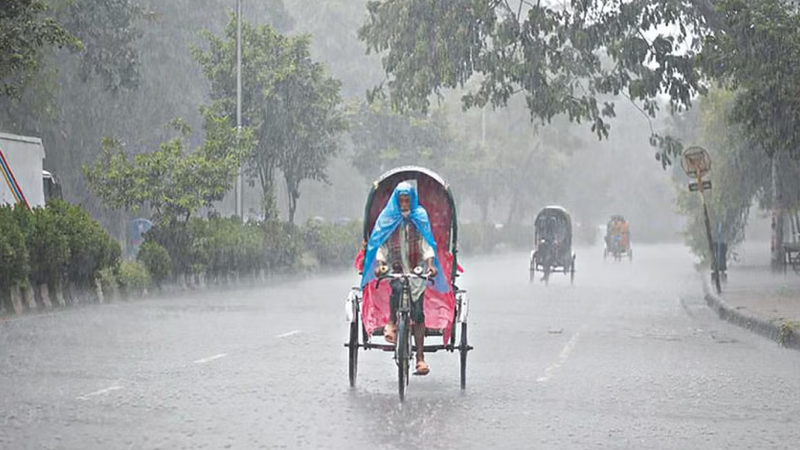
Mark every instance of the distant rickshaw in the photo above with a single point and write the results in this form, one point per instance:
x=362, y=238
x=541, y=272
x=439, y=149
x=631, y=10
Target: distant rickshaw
x=552, y=244
x=618, y=239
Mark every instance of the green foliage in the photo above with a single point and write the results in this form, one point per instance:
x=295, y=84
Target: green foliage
x=564, y=60
x=738, y=176
x=134, y=278
x=109, y=31
x=757, y=56
x=90, y=247
x=334, y=246
x=288, y=100
x=156, y=260
x=48, y=246
x=25, y=36
x=283, y=245
x=171, y=181
x=384, y=139
x=14, y=258
x=51, y=245
x=108, y=279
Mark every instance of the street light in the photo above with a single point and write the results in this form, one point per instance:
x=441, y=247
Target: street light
x=238, y=187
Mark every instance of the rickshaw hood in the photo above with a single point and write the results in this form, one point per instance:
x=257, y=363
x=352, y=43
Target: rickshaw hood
x=389, y=219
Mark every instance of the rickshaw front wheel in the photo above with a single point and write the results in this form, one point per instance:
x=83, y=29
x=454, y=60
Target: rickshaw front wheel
x=464, y=348
x=353, y=352
x=402, y=353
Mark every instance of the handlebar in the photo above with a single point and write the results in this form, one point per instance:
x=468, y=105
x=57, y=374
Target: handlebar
x=403, y=276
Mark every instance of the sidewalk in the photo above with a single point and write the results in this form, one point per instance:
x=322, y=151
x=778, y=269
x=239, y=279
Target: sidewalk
x=757, y=299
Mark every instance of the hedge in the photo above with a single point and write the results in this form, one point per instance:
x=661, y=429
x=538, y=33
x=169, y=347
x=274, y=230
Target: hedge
x=60, y=246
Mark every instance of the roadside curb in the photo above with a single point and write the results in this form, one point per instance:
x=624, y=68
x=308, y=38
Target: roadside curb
x=779, y=331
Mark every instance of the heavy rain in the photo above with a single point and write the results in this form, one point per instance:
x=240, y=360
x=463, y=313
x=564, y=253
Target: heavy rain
x=385, y=224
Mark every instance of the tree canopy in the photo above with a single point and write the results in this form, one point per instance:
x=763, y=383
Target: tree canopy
x=288, y=100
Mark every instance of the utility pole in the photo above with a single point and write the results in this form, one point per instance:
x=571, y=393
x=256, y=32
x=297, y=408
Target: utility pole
x=239, y=185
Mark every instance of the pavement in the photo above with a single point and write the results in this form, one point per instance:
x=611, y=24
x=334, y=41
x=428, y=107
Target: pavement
x=630, y=357
x=757, y=298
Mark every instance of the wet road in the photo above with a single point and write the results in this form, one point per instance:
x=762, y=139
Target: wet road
x=630, y=357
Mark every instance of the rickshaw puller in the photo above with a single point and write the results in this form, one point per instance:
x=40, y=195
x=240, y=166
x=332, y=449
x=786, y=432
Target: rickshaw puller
x=409, y=245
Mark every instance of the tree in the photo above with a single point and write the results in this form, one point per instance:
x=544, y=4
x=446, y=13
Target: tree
x=384, y=139
x=109, y=31
x=25, y=36
x=288, y=100
x=171, y=181
x=306, y=104
x=553, y=56
x=739, y=176
x=758, y=56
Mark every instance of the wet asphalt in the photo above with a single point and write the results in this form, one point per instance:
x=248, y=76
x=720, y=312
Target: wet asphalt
x=628, y=357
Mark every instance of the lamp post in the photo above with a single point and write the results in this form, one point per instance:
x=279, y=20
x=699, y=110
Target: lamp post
x=238, y=187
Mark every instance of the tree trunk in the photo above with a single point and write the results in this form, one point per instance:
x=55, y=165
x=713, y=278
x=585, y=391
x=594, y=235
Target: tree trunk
x=60, y=301
x=776, y=250
x=27, y=295
x=98, y=288
x=292, y=207
x=16, y=300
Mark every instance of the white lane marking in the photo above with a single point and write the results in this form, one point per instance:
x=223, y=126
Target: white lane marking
x=291, y=333
x=212, y=358
x=562, y=358
x=100, y=392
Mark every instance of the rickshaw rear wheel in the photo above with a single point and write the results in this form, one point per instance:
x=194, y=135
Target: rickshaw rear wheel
x=464, y=348
x=402, y=355
x=572, y=271
x=353, y=352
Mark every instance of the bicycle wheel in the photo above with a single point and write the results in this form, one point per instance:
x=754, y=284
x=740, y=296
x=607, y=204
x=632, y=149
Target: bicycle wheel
x=463, y=349
x=353, y=352
x=402, y=353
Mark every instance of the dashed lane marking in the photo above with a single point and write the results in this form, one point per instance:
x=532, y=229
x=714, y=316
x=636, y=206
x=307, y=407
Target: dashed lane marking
x=562, y=358
x=212, y=358
x=291, y=333
x=100, y=392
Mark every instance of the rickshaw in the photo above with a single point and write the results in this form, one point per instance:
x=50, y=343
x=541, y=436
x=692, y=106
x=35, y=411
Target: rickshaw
x=552, y=244
x=617, y=239
x=367, y=310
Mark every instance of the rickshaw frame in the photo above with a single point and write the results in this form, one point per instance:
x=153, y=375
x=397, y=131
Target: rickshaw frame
x=565, y=261
x=388, y=181
x=622, y=252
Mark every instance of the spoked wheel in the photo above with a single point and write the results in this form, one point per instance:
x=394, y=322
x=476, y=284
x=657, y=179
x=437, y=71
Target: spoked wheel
x=463, y=349
x=572, y=271
x=402, y=353
x=353, y=351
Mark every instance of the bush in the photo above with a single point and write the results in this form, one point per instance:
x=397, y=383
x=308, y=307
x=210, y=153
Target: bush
x=156, y=261
x=90, y=248
x=48, y=247
x=14, y=261
x=283, y=246
x=134, y=278
x=108, y=281
x=333, y=245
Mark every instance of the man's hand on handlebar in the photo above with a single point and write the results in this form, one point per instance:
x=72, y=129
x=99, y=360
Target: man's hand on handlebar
x=432, y=272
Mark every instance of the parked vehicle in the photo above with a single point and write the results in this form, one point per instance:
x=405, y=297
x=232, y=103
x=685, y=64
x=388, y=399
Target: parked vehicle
x=23, y=180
